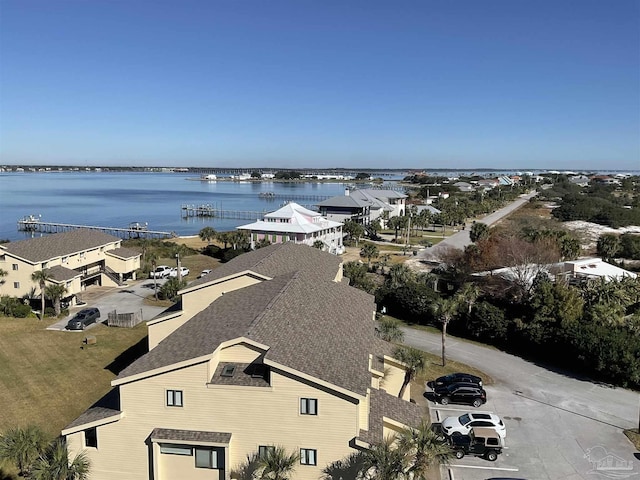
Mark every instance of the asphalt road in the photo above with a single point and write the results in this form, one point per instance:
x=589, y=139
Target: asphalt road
x=461, y=239
x=558, y=426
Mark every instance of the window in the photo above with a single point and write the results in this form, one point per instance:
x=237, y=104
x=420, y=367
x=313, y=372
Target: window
x=91, y=437
x=16, y=284
x=308, y=456
x=14, y=266
x=65, y=259
x=208, y=457
x=173, y=449
x=264, y=449
x=228, y=370
x=174, y=398
x=309, y=406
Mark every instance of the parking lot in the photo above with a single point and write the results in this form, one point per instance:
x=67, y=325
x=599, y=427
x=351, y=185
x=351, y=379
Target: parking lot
x=558, y=426
x=125, y=299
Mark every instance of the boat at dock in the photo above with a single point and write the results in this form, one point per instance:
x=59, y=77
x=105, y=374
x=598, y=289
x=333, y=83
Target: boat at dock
x=208, y=177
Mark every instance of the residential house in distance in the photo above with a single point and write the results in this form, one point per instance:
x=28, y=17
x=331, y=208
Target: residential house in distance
x=364, y=205
x=76, y=259
x=463, y=186
x=272, y=348
x=294, y=223
x=590, y=268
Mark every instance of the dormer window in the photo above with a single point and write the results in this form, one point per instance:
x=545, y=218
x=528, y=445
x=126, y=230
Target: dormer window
x=258, y=371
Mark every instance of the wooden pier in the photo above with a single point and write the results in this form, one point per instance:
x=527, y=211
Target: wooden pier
x=37, y=226
x=216, y=212
x=290, y=198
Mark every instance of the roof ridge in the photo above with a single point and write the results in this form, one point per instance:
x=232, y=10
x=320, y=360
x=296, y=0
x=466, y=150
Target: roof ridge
x=292, y=276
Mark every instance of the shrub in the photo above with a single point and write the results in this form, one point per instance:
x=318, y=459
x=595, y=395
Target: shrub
x=21, y=311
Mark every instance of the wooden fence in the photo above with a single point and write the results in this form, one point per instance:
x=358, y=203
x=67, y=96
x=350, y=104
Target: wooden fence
x=130, y=320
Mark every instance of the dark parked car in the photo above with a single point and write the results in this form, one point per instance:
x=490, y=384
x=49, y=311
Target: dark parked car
x=455, y=378
x=83, y=318
x=480, y=442
x=467, y=393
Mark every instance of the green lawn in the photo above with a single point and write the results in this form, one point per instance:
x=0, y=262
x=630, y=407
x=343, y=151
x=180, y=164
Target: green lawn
x=48, y=379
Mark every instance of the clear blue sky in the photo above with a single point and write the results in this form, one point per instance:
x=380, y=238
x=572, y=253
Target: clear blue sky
x=549, y=84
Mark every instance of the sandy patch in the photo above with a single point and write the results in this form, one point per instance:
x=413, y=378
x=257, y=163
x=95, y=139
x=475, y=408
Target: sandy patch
x=589, y=232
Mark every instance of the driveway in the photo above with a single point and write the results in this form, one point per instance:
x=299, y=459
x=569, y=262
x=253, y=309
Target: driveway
x=558, y=426
x=125, y=299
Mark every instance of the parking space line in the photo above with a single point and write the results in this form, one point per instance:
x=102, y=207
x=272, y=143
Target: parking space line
x=502, y=469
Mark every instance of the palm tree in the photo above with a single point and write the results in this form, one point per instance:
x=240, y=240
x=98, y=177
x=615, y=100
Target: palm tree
x=55, y=464
x=388, y=329
x=277, y=464
x=207, y=234
x=3, y=273
x=424, y=449
x=369, y=251
x=23, y=446
x=41, y=277
x=383, y=461
x=468, y=294
x=399, y=275
x=445, y=309
x=55, y=292
x=414, y=361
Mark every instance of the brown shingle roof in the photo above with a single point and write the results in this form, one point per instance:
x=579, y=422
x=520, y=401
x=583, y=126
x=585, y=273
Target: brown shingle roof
x=59, y=244
x=385, y=405
x=62, y=274
x=190, y=436
x=92, y=415
x=310, y=323
x=277, y=260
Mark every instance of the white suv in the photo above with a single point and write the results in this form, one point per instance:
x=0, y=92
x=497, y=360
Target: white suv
x=161, y=271
x=464, y=423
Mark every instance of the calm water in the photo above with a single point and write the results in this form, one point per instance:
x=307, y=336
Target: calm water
x=115, y=199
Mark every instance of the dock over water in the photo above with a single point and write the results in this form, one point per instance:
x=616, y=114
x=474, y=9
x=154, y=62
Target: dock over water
x=37, y=226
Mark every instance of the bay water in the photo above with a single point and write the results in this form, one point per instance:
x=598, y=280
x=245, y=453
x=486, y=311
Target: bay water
x=116, y=199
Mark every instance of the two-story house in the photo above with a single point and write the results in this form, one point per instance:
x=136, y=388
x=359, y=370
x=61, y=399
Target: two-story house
x=364, y=206
x=272, y=348
x=76, y=259
x=294, y=223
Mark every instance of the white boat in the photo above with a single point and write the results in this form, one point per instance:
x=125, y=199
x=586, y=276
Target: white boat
x=208, y=178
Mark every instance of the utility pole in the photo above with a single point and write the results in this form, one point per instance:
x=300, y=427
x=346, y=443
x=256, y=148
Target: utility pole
x=178, y=266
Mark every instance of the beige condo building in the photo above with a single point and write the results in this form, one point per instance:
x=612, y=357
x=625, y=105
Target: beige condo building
x=272, y=348
x=76, y=259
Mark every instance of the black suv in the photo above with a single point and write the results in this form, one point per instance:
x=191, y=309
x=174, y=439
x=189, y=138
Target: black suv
x=461, y=393
x=458, y=377
x=83, y=318
x=480, y=442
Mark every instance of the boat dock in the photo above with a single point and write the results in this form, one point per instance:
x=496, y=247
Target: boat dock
x=290, y=198
x=35, y=225
x=216, y=212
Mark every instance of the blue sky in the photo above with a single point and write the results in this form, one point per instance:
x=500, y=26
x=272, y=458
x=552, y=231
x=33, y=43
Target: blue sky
x=549, y=84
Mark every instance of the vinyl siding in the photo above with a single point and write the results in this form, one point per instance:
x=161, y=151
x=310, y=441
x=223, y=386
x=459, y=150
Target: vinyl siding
x=253, y=415
x=393, y=379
